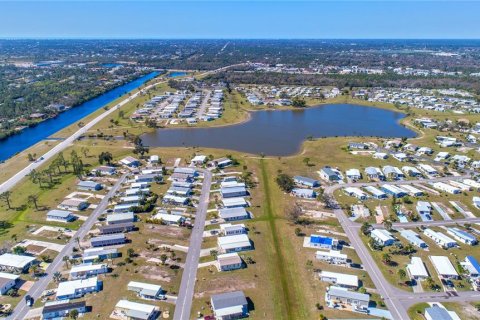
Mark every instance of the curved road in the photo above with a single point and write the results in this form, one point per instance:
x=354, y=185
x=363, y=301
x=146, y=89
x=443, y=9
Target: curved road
x=398, y=301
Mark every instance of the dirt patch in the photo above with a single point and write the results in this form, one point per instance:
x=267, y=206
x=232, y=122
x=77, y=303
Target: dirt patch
x=155, y=273
x=221, y=285
x=34, y=249
x=167, y=231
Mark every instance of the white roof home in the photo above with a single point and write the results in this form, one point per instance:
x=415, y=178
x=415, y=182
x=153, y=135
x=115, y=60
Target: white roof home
x=86, y=270
x=355, y=192
x=232, y=229
x=382, y=236
x=353, y=174
x=440, y=238
x=411, y=190
x=417, y=269
x=446, y=187
x=413, y=238
x=472, y=183
x=7, y=281
x=411, y=171
x=117, y=218
x=343, y=295
x=444, y=267
x=169, y=218
x=428, y=169
x=145, y=290
x=15, y=262
x=376, y=193
x=339, y=279
x=234, y=202
x=332, y=256
x=134, y=310
x=234, y=243
x=76, y=288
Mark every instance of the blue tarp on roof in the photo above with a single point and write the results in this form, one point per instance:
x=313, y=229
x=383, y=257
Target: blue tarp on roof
x=321, y=240
x=474, y=263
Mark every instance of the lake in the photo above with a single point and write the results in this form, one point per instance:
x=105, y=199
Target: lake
x=281, y=133
x=30, y=136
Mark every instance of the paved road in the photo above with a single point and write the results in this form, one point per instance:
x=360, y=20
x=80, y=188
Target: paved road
x=203, y=106
x=7, y=185
x=41, y=285
x=183, y=305
x=397, y=301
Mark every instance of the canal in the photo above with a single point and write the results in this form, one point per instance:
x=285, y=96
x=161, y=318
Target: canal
x=30, y=136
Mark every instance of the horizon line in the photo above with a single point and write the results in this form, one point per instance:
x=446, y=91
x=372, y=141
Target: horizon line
x=10, y=38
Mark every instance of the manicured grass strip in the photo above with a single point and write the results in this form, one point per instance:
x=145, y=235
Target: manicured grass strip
x=280, y=263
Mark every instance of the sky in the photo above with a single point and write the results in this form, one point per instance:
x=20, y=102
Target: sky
x=387, y=19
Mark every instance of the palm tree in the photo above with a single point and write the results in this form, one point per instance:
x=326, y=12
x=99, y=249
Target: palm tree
x=33, y=198
x=402, y=274
x=57, y=276
x=66, y=259
x=34, y=269
x=6, y=197
x=387, y=224
x=386, y=258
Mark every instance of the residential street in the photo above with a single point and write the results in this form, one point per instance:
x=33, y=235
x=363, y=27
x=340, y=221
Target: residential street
x=41, y=285
x=397, y=301
x=187, y=286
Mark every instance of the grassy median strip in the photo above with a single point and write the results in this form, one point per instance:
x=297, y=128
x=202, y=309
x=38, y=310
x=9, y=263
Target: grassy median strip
x=280, y=262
